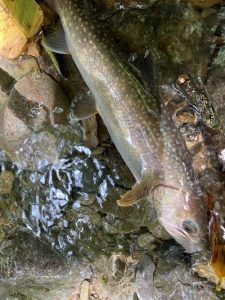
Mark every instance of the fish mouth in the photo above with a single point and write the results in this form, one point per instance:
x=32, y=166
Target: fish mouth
x=183, y=238
x=174, y=229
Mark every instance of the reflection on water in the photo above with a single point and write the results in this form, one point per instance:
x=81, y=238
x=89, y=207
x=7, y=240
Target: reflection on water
x=52, y=199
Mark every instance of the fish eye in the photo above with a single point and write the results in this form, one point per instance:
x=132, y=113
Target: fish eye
x=189, y=226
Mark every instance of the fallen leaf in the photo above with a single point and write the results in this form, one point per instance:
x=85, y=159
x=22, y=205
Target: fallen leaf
x=19, y=21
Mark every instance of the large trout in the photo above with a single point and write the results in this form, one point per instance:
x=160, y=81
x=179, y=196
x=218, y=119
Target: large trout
x=153, y=150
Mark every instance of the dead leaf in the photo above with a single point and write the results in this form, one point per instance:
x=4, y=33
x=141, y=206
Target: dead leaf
x=19, y=21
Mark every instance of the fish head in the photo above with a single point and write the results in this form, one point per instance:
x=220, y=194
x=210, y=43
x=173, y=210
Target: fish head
x=183, y=214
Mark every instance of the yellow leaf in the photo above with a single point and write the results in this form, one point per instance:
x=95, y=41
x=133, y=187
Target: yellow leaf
x=19, y=20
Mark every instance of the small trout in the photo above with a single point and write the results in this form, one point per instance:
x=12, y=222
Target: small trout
x=148, y=146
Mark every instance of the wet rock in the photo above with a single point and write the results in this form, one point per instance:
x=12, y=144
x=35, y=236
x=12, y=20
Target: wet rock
x=6, y=82
x=74, y=85
x=127, y=28
x=173, y=44
x=119, y=171
x=17, y=68
x=174, y=279
x=91, y=174
x=85, y=198
x=144, y=278
x=6, y=182
x=36, y=106
x=90, y=132
x=111, y=5
x=103, y=134
x=31, y=270
x=133, y=276
x=114, y=272
x=44, y=100
x=145, y=239
x=142, y=214
x=187, y=48
x=114, y=226
x=10, y=216
x=3, y=100
x=87, y=214
x=36, y=151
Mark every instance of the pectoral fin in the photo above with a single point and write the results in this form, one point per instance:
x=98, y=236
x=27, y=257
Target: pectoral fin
x=84, y=106
x=56, y=40
x=139, y=191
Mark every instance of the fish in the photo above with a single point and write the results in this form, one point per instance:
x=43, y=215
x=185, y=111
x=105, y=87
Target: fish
x=188, y=202
x=153, y=150
x=198, y=136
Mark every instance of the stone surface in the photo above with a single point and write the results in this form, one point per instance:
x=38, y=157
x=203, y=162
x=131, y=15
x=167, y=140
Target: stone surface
x=36, y=105
x=144, y=278
x=17, y=68
x=6, y=182
x=114, y=226
x=145, y=240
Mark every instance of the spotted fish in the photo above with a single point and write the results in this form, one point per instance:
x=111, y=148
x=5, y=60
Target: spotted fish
x=141, y=132
x=198, y=138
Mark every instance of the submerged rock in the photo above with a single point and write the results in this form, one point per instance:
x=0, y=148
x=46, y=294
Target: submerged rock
x=146, y=240
x=173, y=44
x=31, y=270
x=113, y=225
x=144, y=278
x=142, y=214
x=174, y=279
x=6, y=182
x=29, y=122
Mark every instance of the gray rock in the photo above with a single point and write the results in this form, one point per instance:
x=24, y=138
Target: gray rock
x=19, y=67
x=31, y=270
x=35, y=106
x=3, y=100
x=115, y=226
x=173, y=279
x=145, y=239
x=141, y=214
x=91, y=216
x=6, y=182
x=144, y=278
x=85, y=198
